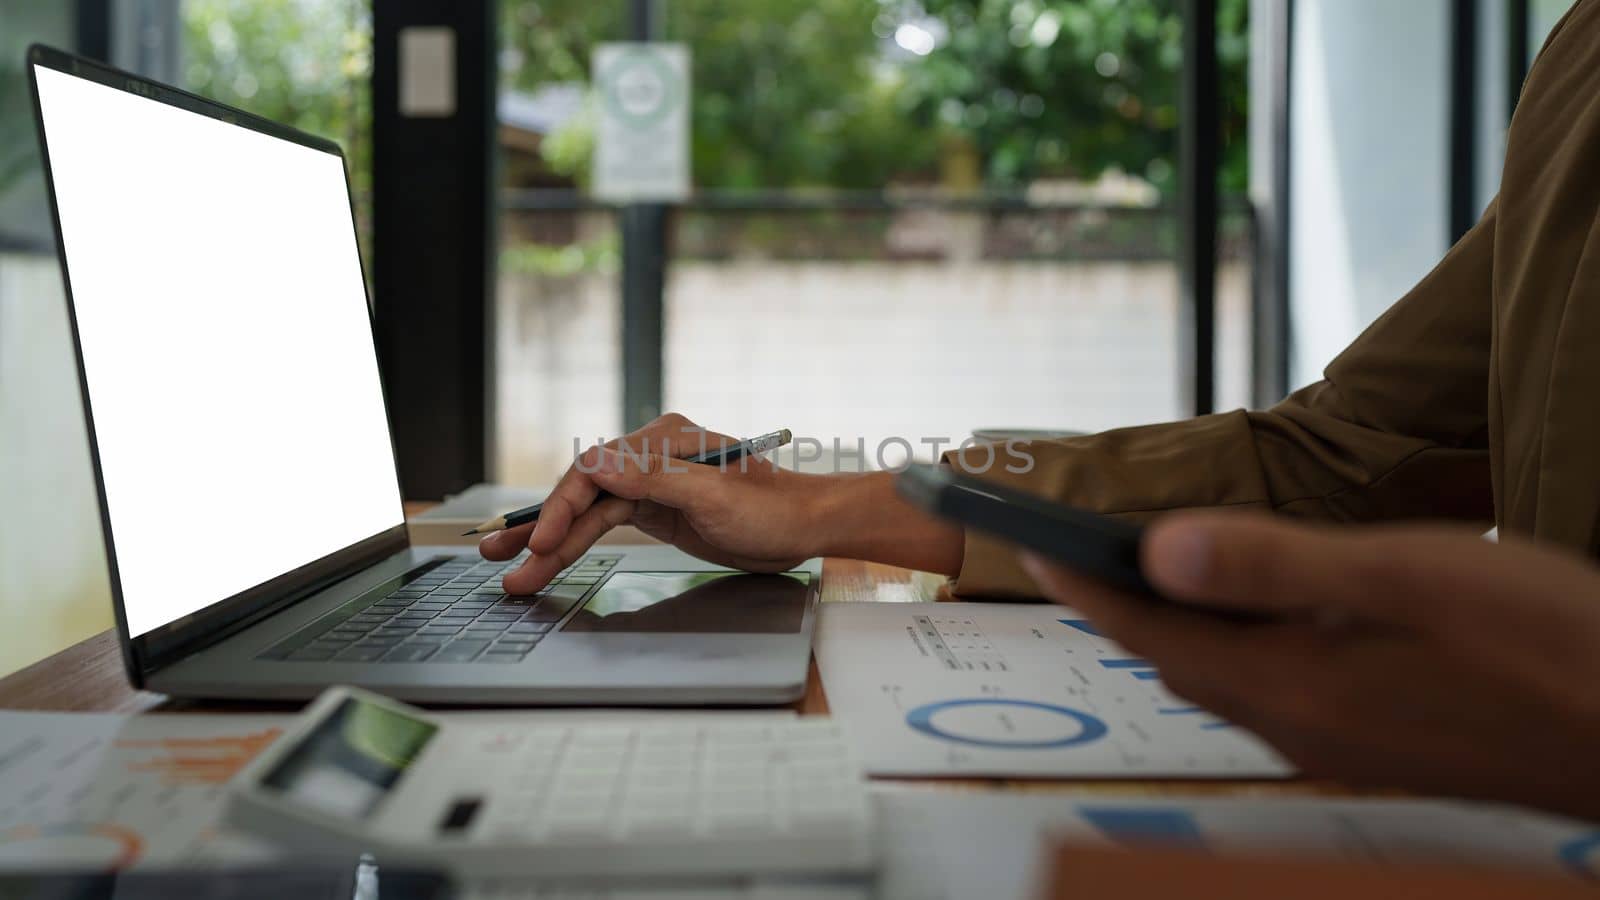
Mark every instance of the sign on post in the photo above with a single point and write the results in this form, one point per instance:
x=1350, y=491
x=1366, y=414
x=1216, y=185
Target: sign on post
x=641, y=150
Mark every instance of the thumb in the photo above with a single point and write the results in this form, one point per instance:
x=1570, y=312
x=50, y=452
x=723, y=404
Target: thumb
x=1263, y=563
x=659, y=479
x=1432, y=578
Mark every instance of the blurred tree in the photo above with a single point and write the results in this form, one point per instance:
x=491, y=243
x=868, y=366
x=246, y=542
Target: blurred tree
x=786, y=95
x=790, y=95
x=821, y=94
x=796, y=94
x=1071, y=88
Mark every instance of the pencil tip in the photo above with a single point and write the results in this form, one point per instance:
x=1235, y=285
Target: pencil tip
x=469, y=533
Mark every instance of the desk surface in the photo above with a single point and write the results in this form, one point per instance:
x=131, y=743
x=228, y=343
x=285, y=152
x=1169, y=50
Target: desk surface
x=88, y=677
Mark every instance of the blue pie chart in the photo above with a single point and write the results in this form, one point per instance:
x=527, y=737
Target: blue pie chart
x=999, y=724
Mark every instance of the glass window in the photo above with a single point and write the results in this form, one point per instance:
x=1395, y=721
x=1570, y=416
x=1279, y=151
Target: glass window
x=558, y=315
x=1543, y=16
x=910, y=219
x=53, y=590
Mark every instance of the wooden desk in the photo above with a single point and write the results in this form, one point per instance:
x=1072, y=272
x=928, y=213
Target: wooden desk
x=88, y=677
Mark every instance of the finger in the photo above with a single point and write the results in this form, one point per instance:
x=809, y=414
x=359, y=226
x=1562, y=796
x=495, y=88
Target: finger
x=1424, y=577
x=503, y=545
x=1204, y=660
x=668, y=435
x=573, y=494
x=1064, y=586
x=672, y=435
x=1120, y=616
x=675, y=484
x=1264, y=677
x=1234, y=561
x=586, y=529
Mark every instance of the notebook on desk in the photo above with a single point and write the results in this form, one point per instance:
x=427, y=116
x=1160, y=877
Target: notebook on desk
x=442, y=525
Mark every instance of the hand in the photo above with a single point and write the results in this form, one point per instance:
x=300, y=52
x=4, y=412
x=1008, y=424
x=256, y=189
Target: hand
x=1415, y=657
x=748, y=515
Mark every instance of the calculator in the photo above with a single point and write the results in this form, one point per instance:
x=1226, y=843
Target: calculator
x=560, y=795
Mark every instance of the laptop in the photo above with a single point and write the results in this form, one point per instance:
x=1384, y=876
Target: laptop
x=240, y=441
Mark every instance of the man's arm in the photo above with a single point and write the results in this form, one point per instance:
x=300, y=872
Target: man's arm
x=1397, y=429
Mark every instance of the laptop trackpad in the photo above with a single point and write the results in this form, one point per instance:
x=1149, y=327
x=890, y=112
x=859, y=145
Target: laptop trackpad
x=690, y=602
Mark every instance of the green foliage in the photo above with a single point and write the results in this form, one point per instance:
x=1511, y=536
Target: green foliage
x=16, y=138
x=560, y=260
x=570, y=148
x=789, y=95
x=798, y=95
x=1068, y=87
x=22, y=212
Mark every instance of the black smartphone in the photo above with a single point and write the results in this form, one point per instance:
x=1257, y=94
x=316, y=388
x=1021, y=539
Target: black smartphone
x=1097, y=546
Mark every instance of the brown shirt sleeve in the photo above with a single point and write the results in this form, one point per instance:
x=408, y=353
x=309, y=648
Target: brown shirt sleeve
x=1397, y=428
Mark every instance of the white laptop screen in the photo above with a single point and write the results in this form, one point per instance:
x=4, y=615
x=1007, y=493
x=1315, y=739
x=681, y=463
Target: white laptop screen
x=227, y=351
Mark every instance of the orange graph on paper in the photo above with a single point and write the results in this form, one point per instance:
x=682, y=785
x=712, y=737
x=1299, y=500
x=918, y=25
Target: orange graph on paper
x=123, y=846
x=207, y=760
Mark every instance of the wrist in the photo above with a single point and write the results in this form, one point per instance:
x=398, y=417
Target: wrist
x=861, y=516
x=837, y=506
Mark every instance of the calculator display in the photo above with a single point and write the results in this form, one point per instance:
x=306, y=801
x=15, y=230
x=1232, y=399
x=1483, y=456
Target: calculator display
x=348, y=763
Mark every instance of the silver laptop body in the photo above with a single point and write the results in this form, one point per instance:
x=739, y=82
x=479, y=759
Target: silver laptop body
x=239, y=433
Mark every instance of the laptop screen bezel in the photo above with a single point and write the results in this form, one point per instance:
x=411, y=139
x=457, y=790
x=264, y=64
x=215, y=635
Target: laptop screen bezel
x=146, y=653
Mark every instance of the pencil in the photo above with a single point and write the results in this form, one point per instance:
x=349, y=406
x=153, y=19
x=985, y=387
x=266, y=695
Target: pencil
x=719, y=457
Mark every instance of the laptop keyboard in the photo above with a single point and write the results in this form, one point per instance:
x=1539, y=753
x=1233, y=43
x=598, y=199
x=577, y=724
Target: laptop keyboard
x=451, y=610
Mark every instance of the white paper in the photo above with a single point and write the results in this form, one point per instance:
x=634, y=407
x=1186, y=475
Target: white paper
x=1013, y=689
x=642, y=138
x=960, y=844
x=108, y=791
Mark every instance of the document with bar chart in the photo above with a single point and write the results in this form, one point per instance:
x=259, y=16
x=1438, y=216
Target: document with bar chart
x=1014, y=689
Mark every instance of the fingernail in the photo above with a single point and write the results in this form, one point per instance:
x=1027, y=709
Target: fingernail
x=1186, y=559
x=589, y=461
